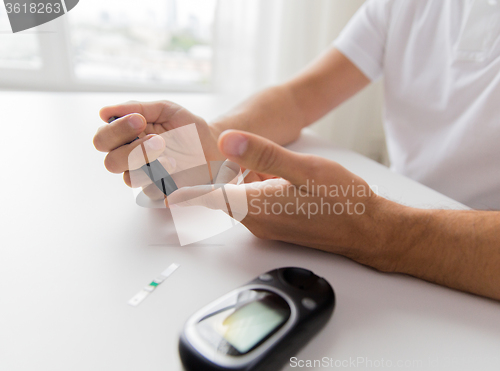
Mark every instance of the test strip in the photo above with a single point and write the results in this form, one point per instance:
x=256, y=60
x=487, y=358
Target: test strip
x=143, y=294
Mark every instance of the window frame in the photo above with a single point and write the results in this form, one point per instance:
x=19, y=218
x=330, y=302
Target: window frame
x=57, y=73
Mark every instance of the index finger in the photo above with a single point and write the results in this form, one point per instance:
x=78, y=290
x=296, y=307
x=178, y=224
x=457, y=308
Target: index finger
x=153, y=111
x=119, y=132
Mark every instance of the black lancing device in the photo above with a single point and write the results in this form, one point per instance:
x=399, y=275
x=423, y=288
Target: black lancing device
x=156, y=172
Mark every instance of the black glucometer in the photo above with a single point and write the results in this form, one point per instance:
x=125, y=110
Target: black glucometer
x=258, y=326
x=156, y=172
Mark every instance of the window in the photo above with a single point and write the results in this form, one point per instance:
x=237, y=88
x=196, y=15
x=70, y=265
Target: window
x=116, y=45
x=18, y=50
x=147, y=41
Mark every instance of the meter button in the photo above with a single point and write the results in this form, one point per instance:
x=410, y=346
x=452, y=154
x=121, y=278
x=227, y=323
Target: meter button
x=309, y=303
x=265, y=277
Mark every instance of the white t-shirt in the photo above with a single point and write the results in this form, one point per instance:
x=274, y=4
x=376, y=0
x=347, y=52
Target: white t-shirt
x=440, y=60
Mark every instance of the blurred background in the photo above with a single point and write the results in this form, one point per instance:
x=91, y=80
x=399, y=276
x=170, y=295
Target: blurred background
x=225, y=47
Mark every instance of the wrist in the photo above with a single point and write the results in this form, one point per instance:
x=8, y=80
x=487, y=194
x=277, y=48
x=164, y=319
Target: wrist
x=398, y=230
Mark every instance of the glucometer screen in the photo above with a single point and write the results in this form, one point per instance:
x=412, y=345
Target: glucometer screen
x=240, y=328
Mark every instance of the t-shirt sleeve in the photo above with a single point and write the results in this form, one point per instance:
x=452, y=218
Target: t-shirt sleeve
x=363, y=39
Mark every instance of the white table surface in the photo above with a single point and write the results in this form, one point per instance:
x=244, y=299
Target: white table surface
x=75, y=247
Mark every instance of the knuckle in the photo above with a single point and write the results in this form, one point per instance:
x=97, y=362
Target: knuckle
x=337, y=167
x=102, y=113
x=314, y=166
x=166, y=102
x=111, y=165
x=167, y=106
x=98, y=142
x=267, y=159
x=132, y=102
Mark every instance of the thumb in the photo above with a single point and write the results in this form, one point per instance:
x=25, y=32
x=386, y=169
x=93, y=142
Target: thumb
x=264, y=156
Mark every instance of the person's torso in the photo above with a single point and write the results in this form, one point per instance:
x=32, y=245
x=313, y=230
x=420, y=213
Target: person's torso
x=442, y=87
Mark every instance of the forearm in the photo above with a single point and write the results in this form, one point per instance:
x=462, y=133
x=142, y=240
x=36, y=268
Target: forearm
x=457, y=249
x=281, y=112
x=272, y=113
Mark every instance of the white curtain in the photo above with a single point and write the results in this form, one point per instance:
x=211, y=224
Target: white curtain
x=263, y=42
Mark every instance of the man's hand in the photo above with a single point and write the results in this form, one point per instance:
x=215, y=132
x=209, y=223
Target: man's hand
x=318, y=203
x=147, y=121
x=302, y=199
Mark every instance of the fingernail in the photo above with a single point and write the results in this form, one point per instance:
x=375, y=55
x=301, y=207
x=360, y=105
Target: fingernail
x=235, y=144
x=135, y=122
x=156, y=143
